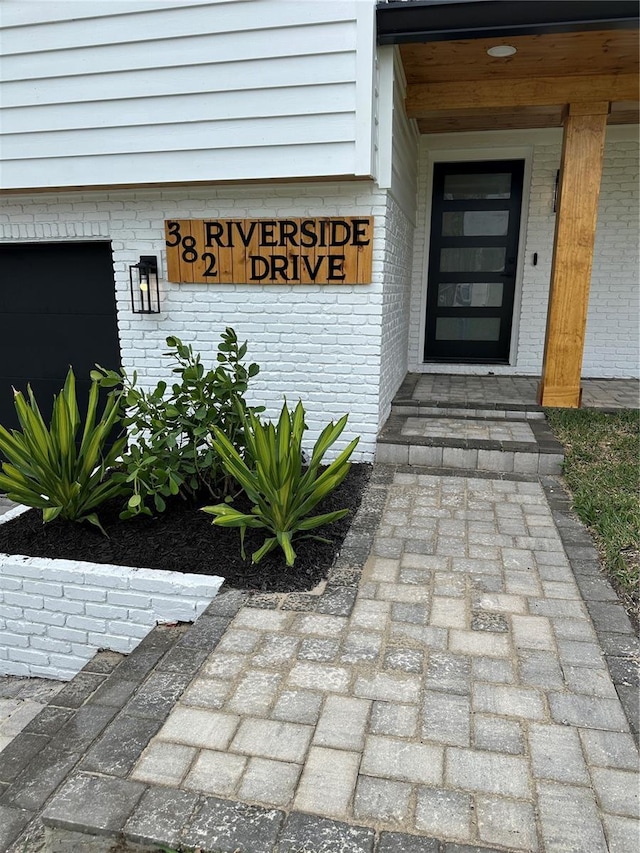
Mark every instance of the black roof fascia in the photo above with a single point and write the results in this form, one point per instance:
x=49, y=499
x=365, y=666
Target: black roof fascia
x=426, y=20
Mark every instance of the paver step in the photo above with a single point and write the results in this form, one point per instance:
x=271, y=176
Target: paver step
x=502, y=445
x=479, y=409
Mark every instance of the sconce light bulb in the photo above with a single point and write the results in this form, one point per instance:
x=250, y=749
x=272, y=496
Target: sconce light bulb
x=144, y=286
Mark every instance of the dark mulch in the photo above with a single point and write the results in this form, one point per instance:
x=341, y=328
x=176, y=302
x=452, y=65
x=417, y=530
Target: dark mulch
x=183, y=539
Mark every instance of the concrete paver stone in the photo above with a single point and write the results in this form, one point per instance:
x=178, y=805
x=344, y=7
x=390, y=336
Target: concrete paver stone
x=272, y=739
x=381, y=800
x=569, y=819
x=446, y=718
x=161, y=816
x=397, y=759
x=488, y=772
x=556, y=754
x=164, y=763
x=270, y=782
x=392, y=718
x=328, y=781
x=297, y=706
x=622, y=833
x=311, y=675
x=199, y=727
x=342, y=723
x=215, y=772
x=444, y=814
x=497, y=735
x=507, y=822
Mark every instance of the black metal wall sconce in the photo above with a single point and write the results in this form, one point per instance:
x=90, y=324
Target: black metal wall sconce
x=145, y=294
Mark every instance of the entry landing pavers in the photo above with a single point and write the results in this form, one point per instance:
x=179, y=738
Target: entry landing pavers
x=487, y=429
x=517, y=391
x=465, y=700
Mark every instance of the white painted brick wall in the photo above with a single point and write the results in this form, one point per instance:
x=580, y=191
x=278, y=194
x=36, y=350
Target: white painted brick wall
x=395, y=303
x=535, y=279
x=612, y=340
x=420, y=249
x=55, y=614
x=318, y=343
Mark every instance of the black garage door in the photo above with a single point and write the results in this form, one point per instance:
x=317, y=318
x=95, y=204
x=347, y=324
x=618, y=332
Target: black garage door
x=57, y=308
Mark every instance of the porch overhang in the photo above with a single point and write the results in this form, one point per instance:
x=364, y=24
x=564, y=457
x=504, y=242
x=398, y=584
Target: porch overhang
x=455, y=84
x=574, y=65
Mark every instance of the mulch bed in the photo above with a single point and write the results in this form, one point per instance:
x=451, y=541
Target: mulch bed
x=183, y=539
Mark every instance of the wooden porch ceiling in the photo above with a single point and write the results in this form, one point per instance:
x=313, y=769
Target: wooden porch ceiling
x=457, y=86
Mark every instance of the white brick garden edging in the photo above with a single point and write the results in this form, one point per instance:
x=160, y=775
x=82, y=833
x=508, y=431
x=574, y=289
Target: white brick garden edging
x=55, y=614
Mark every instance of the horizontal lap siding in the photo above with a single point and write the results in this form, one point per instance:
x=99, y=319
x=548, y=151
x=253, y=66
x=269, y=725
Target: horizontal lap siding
x=202, y=92
x=179, y=137
x=158, y=167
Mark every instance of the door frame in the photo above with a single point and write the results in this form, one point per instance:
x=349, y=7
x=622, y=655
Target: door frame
x=465, y=156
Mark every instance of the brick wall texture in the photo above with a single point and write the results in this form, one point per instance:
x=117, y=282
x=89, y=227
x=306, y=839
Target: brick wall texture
x=398, y=262
x=55, y=614
x=318, y=343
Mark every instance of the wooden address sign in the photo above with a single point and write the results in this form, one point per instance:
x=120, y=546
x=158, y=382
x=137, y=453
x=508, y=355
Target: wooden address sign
x=270, y=251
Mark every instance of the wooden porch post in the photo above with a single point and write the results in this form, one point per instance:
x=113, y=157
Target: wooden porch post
x=577, y=210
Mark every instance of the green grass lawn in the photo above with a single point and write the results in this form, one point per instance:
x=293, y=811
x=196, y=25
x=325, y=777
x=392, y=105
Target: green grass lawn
x=603, y=472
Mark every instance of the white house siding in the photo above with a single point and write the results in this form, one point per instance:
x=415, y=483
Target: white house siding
x=318, y=343
x=129, y=92
x=400, y=227
x=612, y=340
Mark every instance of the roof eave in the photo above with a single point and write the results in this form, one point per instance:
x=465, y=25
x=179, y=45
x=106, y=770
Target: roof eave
x=425, y=20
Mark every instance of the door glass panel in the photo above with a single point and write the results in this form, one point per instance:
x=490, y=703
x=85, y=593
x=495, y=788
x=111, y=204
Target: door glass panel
x=473, y=259
x=475, y=223
x=484, y=185
x=473, y=295
x=467, y=328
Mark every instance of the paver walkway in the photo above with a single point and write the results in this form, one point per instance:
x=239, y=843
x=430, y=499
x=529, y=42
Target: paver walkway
x=465, y=698
x=453, y=698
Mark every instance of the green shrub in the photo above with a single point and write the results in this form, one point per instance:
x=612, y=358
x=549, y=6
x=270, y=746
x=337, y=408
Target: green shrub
x=276, y=481
x=171, y=449
x=54, y=470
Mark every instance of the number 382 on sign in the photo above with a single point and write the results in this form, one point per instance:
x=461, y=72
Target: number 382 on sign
x=270, y=251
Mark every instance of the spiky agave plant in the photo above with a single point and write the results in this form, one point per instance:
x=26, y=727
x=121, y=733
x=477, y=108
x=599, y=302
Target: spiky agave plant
x=273, y=476
x=64, y=468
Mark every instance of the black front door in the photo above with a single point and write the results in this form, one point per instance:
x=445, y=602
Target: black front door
x=475, y=222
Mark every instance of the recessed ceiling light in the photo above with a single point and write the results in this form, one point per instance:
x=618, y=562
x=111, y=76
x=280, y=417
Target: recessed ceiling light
x=502, y=50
